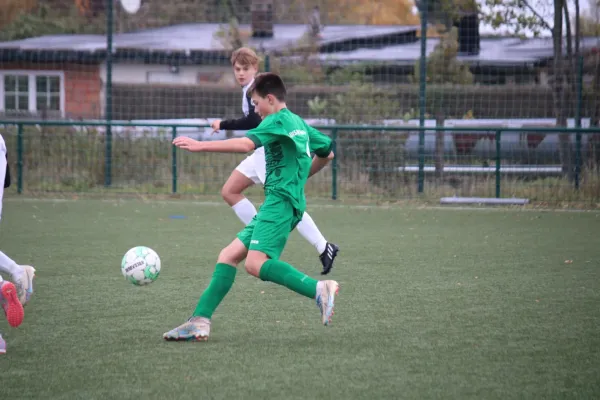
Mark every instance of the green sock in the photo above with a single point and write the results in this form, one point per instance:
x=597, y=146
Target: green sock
x=221, y=282
x=284, y=274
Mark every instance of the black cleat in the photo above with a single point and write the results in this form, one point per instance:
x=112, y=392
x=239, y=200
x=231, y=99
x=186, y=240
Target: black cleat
x=328, y=256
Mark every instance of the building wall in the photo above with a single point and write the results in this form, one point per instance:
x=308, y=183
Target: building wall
x=157, y=91
x=165, y=74
x=85, y=89
x=150, y=75
x=82, y=86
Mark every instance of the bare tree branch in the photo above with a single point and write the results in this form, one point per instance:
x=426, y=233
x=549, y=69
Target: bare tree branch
x=569, y=32
x=542, y=20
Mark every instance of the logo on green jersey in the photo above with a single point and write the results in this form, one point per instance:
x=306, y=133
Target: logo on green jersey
x=297, y=132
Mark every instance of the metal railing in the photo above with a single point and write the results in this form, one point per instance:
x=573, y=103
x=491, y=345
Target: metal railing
x=338, y=145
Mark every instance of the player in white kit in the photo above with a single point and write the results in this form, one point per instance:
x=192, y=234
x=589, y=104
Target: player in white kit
x=252, y=170
x=12, y=295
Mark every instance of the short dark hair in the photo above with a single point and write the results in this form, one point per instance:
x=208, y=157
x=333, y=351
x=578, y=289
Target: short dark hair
x=268, y=83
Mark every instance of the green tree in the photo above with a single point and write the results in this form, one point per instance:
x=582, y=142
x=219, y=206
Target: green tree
x=443, y=65
x=590, y=26
x=10, y=9
x=520, y=16
x=47, y=20
x=446, y=12
x=370, y=154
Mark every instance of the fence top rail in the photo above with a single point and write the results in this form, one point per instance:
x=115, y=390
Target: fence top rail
x=388, y=128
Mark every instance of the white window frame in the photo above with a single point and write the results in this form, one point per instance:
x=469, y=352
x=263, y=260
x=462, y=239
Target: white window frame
x=32, y=92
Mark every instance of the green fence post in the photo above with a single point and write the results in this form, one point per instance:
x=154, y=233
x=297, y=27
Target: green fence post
x=20, y=158
x=422, y=96
x=334, y=165
x=267, y=63
x=108, y=98
x=421, y=175
x=578, y=121
x=174, y=160
x=108, y=157
x=498, y=136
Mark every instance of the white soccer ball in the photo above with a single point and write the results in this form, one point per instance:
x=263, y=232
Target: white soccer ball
x=140, y=265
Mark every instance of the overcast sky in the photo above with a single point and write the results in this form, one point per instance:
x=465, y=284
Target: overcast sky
x=543, y=7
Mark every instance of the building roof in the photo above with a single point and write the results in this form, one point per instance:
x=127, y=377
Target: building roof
x=493, y=51
x=339, y=45
x=201, y=37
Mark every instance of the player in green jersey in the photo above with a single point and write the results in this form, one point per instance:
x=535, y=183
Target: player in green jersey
x=288, y=143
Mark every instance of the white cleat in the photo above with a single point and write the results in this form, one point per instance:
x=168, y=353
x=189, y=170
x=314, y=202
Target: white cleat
x=24, y=284
x=196, y=329
x=326, y=291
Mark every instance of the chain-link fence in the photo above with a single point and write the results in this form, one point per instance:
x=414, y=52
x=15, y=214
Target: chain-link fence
x=482, y=68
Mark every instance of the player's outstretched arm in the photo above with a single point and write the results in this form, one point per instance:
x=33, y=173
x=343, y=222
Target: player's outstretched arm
x=250, y=121
x=236, y=145
x=318, y=163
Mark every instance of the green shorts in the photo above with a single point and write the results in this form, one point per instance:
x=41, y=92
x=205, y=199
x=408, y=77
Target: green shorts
x=270, y=228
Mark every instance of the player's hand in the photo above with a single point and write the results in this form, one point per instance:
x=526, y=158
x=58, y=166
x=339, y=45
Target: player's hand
x=187, y=143
x=216, y=126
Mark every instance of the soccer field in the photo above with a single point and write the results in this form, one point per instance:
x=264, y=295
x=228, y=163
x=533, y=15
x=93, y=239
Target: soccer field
x=434, y=303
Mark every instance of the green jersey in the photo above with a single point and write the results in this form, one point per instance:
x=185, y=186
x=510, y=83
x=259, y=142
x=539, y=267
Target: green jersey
x=288, y=142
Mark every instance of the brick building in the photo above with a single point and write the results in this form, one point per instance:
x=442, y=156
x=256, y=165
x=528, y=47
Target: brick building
x=64, y=76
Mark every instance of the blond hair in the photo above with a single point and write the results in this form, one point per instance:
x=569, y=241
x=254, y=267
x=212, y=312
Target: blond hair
x=244, y=56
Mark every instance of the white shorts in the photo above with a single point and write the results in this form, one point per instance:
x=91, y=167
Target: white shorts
x=2, y=170
x=253, y=167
